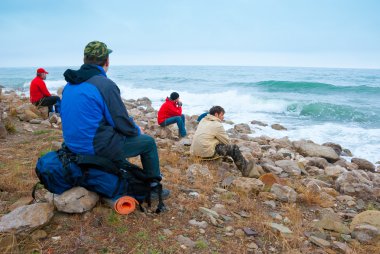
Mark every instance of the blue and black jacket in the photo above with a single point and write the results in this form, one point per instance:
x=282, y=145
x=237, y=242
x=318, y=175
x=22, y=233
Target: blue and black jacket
x=94, y=118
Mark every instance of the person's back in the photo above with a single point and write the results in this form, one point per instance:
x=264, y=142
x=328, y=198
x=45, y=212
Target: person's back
x=93, y=122
x=209, y=133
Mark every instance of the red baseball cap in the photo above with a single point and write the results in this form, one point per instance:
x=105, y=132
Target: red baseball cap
x=42, y=70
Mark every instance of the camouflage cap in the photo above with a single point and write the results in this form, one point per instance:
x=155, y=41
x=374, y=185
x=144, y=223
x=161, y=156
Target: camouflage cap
x=97, y=49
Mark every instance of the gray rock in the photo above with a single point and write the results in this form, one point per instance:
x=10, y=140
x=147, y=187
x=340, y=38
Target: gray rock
x=278, y=127
x=272, y=169
x=290, y=167
x=76, y=200
x=355, y=183
x=317, y=162
x=243, y=128
x=334, y=171
x=198, y=172
x=35, y=121
x=210, y=212
x=200, y=224
x=186, y=241
x=258, y=123
x=337, y=148
x=281, y=228
x=284, y=193
x=366, y=233
x=363, y=164
x=314, y=150
x=370, y=217
x=332, y=221
x=248, y=185
x=26, y=218
x=342, y=247
x=319, y=242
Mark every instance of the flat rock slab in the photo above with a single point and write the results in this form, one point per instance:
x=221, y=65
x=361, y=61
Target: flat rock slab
x=26, y=218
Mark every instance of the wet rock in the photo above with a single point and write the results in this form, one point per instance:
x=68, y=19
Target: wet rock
x=284, y=193
x=363, y=164
x=278, y=127
x=337, y=148
x=243, y=128
x=290, y=167
x=26, y=218
x=248, y=185
x=76, y=200
x=258, y=123
x=314, y=150
x=346, y=152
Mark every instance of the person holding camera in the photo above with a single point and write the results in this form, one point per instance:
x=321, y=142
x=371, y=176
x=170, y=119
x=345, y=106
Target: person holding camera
x=171, y=112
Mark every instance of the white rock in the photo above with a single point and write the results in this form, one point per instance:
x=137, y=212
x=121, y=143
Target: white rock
x=26, y=218
x=76, y=200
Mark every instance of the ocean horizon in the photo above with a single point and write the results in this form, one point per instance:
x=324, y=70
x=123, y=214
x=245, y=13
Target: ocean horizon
x=339, y=105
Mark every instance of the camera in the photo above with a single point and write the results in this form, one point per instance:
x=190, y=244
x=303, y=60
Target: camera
x=179, y=104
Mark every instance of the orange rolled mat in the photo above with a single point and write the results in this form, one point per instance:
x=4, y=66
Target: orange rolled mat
x=125, y=205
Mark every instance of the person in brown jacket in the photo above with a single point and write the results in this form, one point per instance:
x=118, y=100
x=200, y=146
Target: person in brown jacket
x=211, y=139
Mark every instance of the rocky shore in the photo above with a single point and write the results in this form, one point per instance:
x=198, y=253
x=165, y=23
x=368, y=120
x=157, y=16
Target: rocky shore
x=301, y=197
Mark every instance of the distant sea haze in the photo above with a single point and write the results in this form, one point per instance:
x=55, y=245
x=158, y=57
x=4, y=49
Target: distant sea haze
x=321, y=104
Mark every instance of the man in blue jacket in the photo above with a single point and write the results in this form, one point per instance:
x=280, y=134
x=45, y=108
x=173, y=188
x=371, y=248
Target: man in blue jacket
x=95, y=120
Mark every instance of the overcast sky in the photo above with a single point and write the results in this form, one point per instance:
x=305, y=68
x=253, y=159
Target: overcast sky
x=323, y=33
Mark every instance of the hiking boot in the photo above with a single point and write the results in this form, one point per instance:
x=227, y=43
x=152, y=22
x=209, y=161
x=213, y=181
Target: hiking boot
x=154, y=194
x=248, y=167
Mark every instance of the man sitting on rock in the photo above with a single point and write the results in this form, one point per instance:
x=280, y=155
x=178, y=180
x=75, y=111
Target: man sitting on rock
x=171, y=112
x=211, y=139
x=96, y=122
x=40, y=95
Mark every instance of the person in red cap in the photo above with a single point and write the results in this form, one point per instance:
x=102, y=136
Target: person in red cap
x=40, y=95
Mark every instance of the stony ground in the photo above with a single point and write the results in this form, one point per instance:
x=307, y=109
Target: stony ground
x=292, y=203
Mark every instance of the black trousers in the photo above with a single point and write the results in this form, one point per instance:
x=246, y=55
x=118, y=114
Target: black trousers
x=50, y=101
x=234, y=152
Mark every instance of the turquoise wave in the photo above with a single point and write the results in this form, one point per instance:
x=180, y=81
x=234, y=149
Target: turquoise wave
x=312, y=87
x=332, y=112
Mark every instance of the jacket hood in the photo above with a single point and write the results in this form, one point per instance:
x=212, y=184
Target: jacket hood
x=85, y=72
x=212, y=118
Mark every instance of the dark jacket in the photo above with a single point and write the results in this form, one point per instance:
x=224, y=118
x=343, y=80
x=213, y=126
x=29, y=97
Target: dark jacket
x=94, y=118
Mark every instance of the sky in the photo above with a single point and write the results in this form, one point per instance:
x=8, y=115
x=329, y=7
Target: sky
x=302, y=33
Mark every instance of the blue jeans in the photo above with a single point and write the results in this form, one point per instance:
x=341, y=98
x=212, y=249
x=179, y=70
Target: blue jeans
x=180, y=120
x=145, y=146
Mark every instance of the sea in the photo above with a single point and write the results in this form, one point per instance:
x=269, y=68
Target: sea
x=320, y=104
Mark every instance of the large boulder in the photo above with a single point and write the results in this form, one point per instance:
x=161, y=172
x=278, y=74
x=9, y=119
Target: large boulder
x=370, y=217
x=76, y=200
x=284, y=193
x=290, y=167
x=248, y=185
x=363, y=164
x=355, y=183
x=27, y=218
x=243, y=128
x=314, y=150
